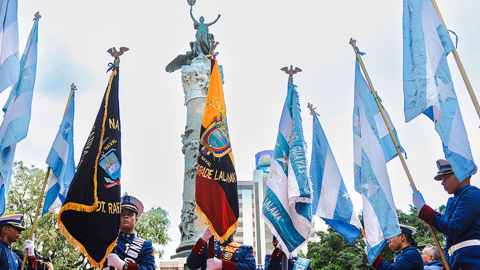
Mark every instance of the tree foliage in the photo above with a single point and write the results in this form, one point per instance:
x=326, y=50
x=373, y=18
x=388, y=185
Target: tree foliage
x=25, y=191
x=335, y=253
x=153, y=225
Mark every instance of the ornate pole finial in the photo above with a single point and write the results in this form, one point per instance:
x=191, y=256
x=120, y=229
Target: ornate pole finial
x=191, y=2
x=117, y=54
x=213, y=46
x=37, y=16
x=73, y=87
x=291, y=71
x=312, y=109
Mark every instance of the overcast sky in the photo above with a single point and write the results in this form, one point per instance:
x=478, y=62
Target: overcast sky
x=257, y=38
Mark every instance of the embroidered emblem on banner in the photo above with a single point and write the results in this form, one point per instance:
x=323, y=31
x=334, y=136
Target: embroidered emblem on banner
x=110, y=164
x=215, y=139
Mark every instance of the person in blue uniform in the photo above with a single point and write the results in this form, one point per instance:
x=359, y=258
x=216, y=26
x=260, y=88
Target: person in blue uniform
x=461, y=224
x=274, y=261
x=431, y=258
x=409, y=257
x=10, y=230
x=131, y=252
x=228, y=255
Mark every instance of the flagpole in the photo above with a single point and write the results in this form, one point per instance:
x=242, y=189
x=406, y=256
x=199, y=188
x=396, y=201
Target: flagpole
x=45, y=182
x=397, y=147
x=460, y=65
x=36, y=214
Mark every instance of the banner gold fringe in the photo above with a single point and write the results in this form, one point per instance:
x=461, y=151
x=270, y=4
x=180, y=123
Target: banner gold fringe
x=207, y=222
x=85, y=208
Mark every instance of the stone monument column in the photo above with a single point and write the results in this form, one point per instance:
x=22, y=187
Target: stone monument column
x=195, y=81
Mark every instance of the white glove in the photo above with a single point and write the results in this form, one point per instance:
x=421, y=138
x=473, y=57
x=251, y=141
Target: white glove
x=417, y=198
x=214, y=264
x=30, y=246
x=206, y=234
x=115, y=261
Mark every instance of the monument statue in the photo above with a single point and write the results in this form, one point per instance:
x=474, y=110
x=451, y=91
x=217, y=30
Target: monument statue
x=203, y=38
x=201, y=45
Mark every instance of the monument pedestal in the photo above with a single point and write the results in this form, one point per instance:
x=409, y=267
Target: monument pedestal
x=195, y=81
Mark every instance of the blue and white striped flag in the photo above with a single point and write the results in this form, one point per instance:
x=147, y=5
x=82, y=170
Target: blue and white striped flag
x=61, y=161
x=373, y=148
x=287, y=204
x=427, y=84
x=17, y=110
x=331, y=200
x=9, y=55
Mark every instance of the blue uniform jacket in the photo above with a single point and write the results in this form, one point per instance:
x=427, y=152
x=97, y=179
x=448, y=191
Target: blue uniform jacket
x=461, y=222
x=145, y=259
x=408, y=259
x=242, y=259
x=276, y=264
x=433, y=266
x=10, y=260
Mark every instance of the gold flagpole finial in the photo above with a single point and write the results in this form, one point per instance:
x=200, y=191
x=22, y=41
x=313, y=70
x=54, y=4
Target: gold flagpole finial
x=117, y=54
x=37, y=16
x=291, y=71
x=73, y=86
x=213, y=46
x=312, y=109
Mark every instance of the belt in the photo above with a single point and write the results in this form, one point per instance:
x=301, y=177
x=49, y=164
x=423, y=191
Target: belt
x=468, y=243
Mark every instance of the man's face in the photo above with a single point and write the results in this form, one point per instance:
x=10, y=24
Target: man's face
x=275, y=242
x=395, y=243
x=426, y=257
x=12, y=233
x=128, y=221
x=450, y=183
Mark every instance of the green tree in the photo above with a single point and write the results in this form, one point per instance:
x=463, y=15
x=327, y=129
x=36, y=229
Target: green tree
x=25, y=190
x=153, y=225
x=334, y=252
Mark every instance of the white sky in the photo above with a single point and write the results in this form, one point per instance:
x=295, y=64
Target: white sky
x=257, y=38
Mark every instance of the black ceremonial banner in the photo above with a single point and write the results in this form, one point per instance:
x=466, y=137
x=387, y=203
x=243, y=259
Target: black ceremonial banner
x=90, y=215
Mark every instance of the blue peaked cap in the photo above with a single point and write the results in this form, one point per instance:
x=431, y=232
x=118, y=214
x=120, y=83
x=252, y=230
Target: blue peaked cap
x=14, y=220
x=444, y=168
x=407, y=229
x=132, y=203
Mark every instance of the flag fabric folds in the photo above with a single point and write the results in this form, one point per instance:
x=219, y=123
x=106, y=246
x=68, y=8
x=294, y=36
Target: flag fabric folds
x=373, y=148
x=90, y=215
x=9, y=55
x=17, y=110
x=216, y=181
x=287, y=205
x=61, y=161
x=427, y=83
x=331, y=200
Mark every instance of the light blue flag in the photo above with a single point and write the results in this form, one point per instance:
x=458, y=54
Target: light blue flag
x=287, y=204
x=15, y=123
x=9, y=56
x=427, y=84
x=331, y=200
x=61, y=161
x=373, y=148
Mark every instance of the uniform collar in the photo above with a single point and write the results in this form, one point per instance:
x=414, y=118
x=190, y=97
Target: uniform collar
x=460, y=190
x=228, y=241
x=128, y=235
x=5, y=244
